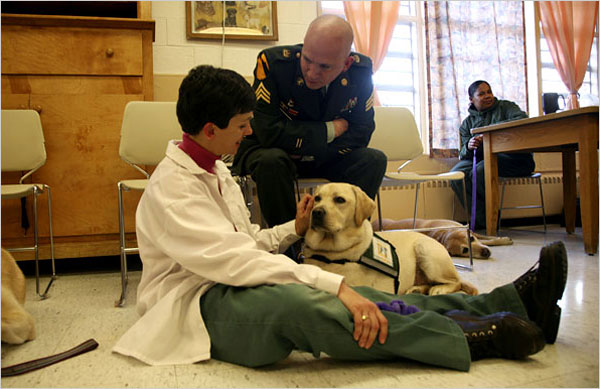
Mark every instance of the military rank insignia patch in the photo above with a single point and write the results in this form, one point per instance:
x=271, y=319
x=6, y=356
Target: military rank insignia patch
x=263, y=94
x=262, y=67
x=286, y=53
x=350, y=104
x=370, y=101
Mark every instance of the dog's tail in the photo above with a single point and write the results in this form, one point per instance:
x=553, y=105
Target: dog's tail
x=468, y=288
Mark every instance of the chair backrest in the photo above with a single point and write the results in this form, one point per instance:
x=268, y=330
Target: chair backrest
x=396, y=134
x=22, y=141
x=147, y=128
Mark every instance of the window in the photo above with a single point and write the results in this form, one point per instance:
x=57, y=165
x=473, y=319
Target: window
x=551, y=81
x=400, y=81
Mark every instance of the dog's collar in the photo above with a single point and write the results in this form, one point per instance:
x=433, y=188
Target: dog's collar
x=380, y=256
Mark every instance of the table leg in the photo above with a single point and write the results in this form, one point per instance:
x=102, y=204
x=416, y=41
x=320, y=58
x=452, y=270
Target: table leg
x=569, y=189
x=491, y=186
x=588, y=189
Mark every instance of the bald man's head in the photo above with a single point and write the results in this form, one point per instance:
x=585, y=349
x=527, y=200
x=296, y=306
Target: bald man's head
x=333, y=29
x=326, y=50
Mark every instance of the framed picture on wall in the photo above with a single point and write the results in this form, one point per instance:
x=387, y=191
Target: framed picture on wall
x=244, y=20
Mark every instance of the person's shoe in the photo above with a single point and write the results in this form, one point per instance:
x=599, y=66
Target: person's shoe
x=542, y=286
x=500, y=335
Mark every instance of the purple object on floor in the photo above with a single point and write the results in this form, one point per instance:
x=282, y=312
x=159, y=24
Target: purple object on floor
x=398, y=306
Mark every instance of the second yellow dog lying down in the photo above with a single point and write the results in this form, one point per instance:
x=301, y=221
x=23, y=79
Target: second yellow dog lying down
x=341, y=232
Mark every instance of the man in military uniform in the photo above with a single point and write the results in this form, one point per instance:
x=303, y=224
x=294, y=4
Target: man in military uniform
x=314, y=118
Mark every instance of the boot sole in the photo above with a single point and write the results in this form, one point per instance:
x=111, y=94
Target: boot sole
x=551, y=321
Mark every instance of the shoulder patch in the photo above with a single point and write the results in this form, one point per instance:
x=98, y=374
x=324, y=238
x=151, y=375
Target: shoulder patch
x=262, y=67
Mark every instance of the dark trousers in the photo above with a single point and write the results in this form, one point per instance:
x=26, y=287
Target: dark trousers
x=509, y=165
x=275, y=172
x=262, y=325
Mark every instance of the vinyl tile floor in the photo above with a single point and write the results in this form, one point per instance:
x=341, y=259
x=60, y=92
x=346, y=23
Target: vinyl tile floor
x=80, y=307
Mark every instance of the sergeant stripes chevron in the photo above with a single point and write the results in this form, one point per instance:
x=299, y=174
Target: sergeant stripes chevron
x=263, y=93
x=370, y=101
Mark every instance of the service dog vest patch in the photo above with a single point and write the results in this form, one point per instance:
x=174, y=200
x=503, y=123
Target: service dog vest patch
x=381, y=256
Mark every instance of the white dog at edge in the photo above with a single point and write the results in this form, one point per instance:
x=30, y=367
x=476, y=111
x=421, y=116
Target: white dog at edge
x=340, y=229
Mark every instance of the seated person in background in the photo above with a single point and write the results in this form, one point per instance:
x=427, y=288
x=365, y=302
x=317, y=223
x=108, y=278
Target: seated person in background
x=313, y=118
x=214, y=286
x=485, y=109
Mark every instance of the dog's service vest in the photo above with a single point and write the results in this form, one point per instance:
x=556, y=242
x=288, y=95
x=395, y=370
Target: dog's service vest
x=380, y=256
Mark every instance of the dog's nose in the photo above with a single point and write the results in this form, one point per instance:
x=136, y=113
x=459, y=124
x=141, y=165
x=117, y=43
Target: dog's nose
x=485, y=252
x=318, y=215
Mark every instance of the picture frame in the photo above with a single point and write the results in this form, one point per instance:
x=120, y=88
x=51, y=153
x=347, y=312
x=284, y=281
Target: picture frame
x=242, y=20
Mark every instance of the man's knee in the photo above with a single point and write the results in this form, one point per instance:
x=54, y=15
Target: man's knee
x=377, y=159
x=271, y=161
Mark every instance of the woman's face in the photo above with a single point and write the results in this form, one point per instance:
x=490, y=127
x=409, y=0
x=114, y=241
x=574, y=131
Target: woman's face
x=483, y=98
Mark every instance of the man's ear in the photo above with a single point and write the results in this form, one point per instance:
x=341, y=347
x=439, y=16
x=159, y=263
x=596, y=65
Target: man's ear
x=348, y=62
x=208, y=130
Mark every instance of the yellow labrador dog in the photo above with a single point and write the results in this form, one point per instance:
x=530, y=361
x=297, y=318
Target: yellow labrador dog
x=455, y=241
x=17, y=324
x=340, y=230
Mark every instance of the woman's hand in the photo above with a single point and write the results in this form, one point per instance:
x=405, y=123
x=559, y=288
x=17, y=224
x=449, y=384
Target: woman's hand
x=303, y=210
x=475, y=142
x=368, y=319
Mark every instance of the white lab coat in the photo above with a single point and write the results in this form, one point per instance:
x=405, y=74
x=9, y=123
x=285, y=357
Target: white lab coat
x=194, y=230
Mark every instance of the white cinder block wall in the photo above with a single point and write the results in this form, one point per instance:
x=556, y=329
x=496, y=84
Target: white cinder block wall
x=174, y=54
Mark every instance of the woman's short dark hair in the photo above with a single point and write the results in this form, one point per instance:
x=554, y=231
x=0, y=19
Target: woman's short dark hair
x=473, y=87
x=212, y=95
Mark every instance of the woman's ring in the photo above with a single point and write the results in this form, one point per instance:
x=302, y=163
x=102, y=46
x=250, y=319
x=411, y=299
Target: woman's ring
x=364, y=317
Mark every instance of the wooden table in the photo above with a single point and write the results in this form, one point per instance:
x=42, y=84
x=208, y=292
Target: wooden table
x=564, y=132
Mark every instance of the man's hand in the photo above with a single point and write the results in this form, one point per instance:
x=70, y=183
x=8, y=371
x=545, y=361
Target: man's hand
x=340, y=126
x=475, y=142
x=303, y=210
x=365, y=331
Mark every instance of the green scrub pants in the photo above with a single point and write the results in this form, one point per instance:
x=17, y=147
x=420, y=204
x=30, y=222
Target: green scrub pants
x=262, y=325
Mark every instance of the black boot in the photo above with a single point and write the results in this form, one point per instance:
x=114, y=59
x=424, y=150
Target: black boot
x=542, y=286
x=500, y=335
x=295, y=252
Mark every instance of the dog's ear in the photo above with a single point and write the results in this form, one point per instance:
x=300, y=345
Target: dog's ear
x=364, y=206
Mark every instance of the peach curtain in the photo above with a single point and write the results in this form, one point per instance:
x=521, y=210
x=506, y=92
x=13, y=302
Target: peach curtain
x=373, y=23
x=569, y=30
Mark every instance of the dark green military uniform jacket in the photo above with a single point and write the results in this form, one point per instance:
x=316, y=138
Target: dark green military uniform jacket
x=292, y=117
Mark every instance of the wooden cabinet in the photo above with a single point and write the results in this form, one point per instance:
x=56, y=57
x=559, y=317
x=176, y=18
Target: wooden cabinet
x=78, y=73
